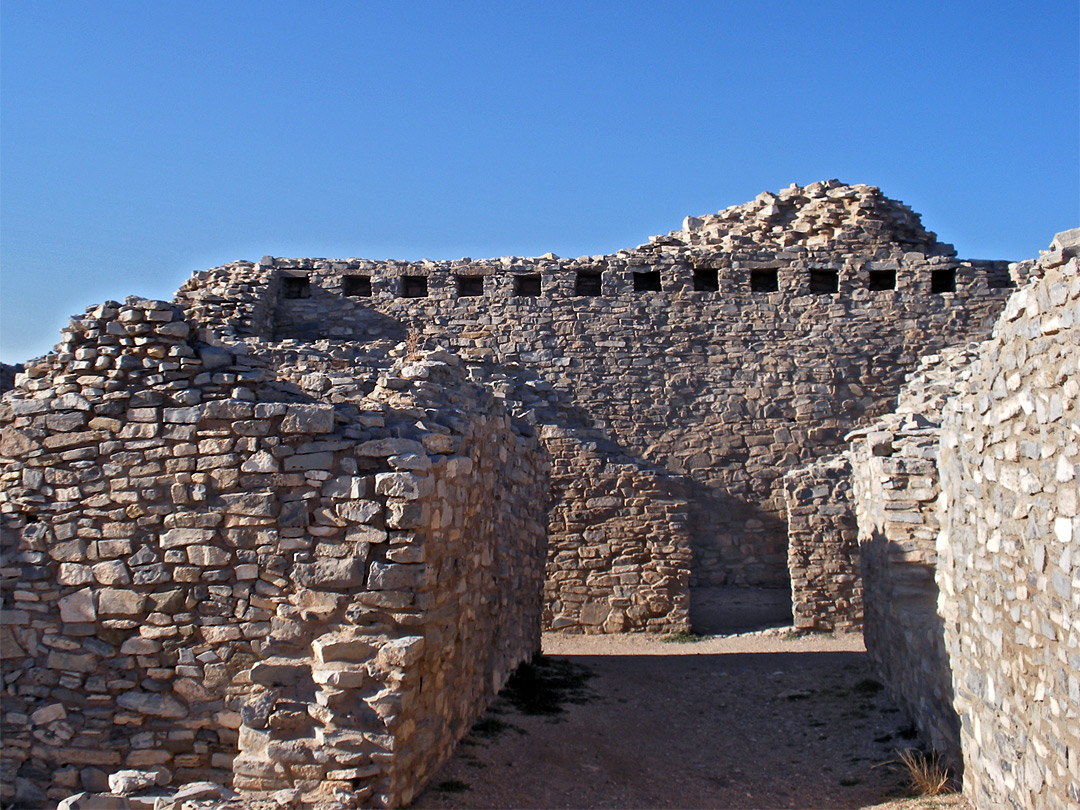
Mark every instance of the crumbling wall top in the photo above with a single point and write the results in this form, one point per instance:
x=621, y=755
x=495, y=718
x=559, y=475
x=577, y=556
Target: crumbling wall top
x=811, y=216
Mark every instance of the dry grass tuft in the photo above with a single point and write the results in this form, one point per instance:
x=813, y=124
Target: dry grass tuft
x=413, y=344
x=929, y=774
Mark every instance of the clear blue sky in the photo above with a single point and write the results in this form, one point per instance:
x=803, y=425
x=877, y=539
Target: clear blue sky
x=140, y=141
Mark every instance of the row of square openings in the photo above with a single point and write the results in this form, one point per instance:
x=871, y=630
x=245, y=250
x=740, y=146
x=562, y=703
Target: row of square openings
x=589, y=283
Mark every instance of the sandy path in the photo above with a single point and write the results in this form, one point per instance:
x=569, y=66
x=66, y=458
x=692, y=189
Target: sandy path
x=762, y=720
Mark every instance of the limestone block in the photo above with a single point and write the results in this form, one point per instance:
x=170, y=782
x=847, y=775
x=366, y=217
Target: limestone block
x=359, y=511
x=309, y=461
x=94, y=801
x=400, y=652
x=152, y=704
x=48, y=714
x=78, y=607
x=112, y=572
x=389, y=447
x=75, y=574
x=128, y=782
x=408, y=486
x=227, y=409
x=347, y=572
x=341, y=647
x=207, y=556
x=397, y=577
x=71, y=662
x=185, y=537
x=261, y=462
x=308, y=419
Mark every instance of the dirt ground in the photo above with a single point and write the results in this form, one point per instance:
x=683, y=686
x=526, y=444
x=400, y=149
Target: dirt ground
x=765, y=719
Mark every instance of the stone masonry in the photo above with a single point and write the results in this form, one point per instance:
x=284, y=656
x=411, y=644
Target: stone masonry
x=967, y=507
x=209, y=575
x=1009, y=550
x=823, y=550
x=721, y=355
x=289, y=530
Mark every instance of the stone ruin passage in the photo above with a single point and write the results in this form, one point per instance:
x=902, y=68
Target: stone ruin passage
x=208, y=574
x=673, y=384
x=288, y=530
x=950, y=530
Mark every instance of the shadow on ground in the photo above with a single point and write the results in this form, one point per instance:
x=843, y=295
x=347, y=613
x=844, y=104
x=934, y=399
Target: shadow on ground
x=763, y=730
x=725, y=610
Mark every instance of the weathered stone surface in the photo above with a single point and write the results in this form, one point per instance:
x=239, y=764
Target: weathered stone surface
x=155, y=705
x=310, y=475
x=183, y=537
x=308, y=419
x=128, y=782
x=78, y=607
x=329, y=574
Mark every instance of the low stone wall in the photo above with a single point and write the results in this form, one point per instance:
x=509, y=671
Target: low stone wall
x=823, y=549
x=895, y=487
x=1009, y=548
x=206, y=575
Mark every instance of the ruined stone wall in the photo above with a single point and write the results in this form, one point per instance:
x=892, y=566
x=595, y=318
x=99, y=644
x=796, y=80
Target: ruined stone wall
x=824, y=559
x=823, y=549
x=894, y=472
x=619, y=549
x=729, y=352
x=206, y=573
x=1009, y=550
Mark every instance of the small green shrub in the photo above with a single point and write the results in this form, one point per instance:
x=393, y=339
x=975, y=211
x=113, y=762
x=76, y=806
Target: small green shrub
x=683, y=637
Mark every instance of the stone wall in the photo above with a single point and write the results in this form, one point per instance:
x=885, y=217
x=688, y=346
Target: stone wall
x=823, y=549
x=894, y=471
x=619, y=547
x=1009, y=549
x=729, y=352
x=207, y=573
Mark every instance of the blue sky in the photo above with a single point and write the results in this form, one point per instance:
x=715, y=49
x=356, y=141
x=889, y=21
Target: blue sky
x=140, y=141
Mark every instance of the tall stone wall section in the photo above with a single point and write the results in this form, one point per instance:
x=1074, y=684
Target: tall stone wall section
x=1009, y=550
x=895, y=481
x=729, y=352
x=619, y=545
x=207, y=573
x=823, y=547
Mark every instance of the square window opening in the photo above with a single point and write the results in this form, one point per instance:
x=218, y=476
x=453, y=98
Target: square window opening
x=293, y=287
x=470, y=286
x=943, y=281
x=527, y=285
x=765, y=280
x=356, y=286
x=648, y=281
x=589, y=282
x=706, y=279
x=414, y=286
x=824, y=281
x=882, y=280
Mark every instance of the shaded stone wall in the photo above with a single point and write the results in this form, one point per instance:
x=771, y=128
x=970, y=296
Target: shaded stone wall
x=894, y=472
x=206, y=573
x=823, y=548
x=742, y=346
x=1009, y=549
x=619, y=548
